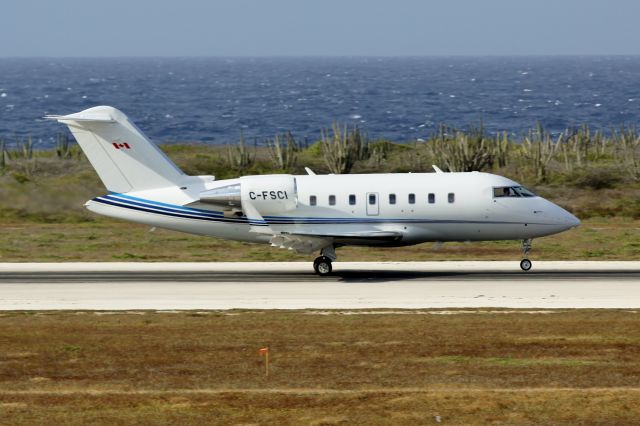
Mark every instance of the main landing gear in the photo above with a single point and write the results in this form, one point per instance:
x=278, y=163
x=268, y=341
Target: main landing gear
x=525, y=264
x=322, y=263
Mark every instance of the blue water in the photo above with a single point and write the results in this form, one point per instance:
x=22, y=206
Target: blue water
x=402, y=99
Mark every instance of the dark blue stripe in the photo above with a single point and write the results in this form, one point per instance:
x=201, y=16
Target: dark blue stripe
x=158, y=203
x=184, y=216
x=173, y=210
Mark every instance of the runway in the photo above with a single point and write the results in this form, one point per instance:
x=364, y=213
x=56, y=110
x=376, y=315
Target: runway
x=292, y=285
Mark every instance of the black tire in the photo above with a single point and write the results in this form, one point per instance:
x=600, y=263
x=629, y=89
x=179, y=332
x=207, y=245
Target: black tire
x=525, y=264
x=322, y=266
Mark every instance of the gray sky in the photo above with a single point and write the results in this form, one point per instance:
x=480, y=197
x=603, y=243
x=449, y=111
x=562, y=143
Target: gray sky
x=326, y=27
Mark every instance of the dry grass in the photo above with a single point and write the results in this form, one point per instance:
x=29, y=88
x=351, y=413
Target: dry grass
x=111, y=240
x=407, y=367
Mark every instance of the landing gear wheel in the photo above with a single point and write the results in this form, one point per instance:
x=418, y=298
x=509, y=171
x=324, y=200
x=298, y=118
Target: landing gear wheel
x=525, y=264
x=322, y=266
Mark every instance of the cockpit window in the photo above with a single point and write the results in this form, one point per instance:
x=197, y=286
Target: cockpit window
x=512, y=191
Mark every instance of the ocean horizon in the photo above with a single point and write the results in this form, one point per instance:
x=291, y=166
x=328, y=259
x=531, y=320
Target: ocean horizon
x=403, y=99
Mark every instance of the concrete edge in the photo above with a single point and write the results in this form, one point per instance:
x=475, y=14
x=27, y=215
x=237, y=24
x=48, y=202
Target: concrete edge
x=444, y=266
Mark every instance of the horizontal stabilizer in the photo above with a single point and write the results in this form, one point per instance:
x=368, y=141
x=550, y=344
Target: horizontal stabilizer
x=97, y=116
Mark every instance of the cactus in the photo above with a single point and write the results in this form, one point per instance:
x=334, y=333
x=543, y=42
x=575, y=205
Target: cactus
x=628, y=152
x=283, y=158
x=343, y=148
x=502, y=150
x=379, y=152
x=27, y=148
x=538, y=149
x=3, y=160
x=63, y=148
x=460, y=151
x=239, y=157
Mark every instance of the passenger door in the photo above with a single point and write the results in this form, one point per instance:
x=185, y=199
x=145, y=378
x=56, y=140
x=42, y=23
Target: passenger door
x=373, y=208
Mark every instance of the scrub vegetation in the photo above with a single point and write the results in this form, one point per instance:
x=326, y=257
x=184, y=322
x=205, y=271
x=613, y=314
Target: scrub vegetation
x=102, y=239
x=594, y=175
x=327, y=367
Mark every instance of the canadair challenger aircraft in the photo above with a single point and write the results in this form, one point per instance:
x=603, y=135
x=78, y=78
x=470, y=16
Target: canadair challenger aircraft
x=306, y=213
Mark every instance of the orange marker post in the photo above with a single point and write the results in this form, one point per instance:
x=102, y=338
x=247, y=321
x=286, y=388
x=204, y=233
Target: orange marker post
x=265, y=352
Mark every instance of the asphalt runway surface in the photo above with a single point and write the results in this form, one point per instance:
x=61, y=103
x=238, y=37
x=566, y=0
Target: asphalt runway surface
x=292, y=285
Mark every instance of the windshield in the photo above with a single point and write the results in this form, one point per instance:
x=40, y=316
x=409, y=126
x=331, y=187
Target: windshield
x=512, y=191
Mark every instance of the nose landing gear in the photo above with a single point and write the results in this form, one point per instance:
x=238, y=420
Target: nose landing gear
x=525, y=264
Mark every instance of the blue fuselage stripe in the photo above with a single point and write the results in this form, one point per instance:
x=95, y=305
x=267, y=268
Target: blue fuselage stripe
x=157, y=207
x=158, y=203
x=166, y=213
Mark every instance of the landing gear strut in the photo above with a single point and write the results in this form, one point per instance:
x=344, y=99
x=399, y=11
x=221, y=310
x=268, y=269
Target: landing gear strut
x=322, y=263
x=525, y=264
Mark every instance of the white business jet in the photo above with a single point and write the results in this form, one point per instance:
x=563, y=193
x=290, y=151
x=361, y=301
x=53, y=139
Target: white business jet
x=306, y=213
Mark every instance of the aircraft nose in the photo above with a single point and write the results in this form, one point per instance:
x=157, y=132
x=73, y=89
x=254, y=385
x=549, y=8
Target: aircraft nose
x=559, y=216
x=571, y=220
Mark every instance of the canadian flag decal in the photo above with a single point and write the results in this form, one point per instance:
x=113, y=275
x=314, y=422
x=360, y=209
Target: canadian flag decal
x=118, y=145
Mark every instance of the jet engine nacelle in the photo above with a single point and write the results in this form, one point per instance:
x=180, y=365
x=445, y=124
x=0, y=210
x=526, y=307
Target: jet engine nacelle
x=269, y=194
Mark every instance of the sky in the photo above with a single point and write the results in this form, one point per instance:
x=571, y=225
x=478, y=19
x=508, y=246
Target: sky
x=90, y=28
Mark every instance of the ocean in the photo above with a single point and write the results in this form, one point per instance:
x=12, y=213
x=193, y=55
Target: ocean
x=213, y=100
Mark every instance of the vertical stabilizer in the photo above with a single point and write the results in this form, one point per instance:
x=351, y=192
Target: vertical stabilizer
x=124, y=158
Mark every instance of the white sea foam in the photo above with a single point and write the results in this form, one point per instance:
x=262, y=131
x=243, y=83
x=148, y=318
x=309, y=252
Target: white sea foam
x=355, y=116
x=3, y=95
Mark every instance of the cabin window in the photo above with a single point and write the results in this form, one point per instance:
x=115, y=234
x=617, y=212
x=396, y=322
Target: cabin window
x=452, y=197
x=352, y=200
x=431, y=198
x=412, y=198
x=312, y=200
x=392, y=198
x=372, y=199
x=332, y=200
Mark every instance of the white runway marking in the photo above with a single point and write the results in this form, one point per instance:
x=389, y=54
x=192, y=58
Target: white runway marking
x=169, y=286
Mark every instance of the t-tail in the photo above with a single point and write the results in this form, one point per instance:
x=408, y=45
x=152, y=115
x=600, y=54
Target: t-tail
x=124, y=158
